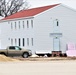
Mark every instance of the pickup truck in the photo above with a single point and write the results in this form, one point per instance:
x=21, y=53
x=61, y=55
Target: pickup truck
x=16, y=51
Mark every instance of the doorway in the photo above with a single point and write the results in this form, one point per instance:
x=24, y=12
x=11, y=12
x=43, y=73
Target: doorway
x=56, y=44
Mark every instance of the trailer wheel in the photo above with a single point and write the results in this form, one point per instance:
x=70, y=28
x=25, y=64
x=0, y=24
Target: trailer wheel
x=54, y=55
x=60, y=55
x=49, y=55
x=65, y=55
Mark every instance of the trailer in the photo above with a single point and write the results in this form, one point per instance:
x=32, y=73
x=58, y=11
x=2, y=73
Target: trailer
x=51, y=54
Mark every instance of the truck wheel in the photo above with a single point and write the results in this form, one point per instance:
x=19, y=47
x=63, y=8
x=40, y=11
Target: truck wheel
x=25, y=55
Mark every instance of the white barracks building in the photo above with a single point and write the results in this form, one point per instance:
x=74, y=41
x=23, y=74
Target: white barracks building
x=49, y=28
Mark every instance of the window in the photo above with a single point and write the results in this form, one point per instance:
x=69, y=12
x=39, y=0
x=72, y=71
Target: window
x=57, y=23
x=23, y=25
x=15, y=41
x=17, y=48
x=19, y=24
x=11, y=26
x=32, y=23
x=11, y=47
x=27, y=24
x=19, y=42
x=23, y=42
x=28, y=41
x=14, y=48
x=32, y=41
x=15, y=25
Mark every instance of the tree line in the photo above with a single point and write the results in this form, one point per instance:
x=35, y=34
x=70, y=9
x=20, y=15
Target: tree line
x=9, y=7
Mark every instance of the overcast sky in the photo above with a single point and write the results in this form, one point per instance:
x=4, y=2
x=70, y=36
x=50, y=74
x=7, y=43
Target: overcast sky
x=38, y=3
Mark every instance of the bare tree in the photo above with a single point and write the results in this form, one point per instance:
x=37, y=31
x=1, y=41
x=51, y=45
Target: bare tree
x=9, y=7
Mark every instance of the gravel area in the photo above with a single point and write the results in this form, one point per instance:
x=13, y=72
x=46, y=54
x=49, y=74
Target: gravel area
x=5, y=58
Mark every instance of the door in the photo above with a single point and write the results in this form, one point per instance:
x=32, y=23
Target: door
x=56, y=44
x=14, y=51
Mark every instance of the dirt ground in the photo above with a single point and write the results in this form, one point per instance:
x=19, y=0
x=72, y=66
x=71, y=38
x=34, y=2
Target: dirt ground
x=37, y=65
x=6, y=59
x=45, y=58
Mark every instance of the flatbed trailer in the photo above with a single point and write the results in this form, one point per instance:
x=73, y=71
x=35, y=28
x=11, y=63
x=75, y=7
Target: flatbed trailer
x=51, y=54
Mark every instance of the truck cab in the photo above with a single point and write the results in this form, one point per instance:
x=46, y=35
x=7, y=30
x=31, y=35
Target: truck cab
x=16, y=51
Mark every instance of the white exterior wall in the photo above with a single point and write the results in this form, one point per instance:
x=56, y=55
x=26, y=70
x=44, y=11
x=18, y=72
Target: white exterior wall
x=8, y=33
x=43, y=24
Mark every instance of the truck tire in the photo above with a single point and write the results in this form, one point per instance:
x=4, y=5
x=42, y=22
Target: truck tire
x=25, y=55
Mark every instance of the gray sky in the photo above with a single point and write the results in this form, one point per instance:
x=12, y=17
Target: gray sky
x=38, y=3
